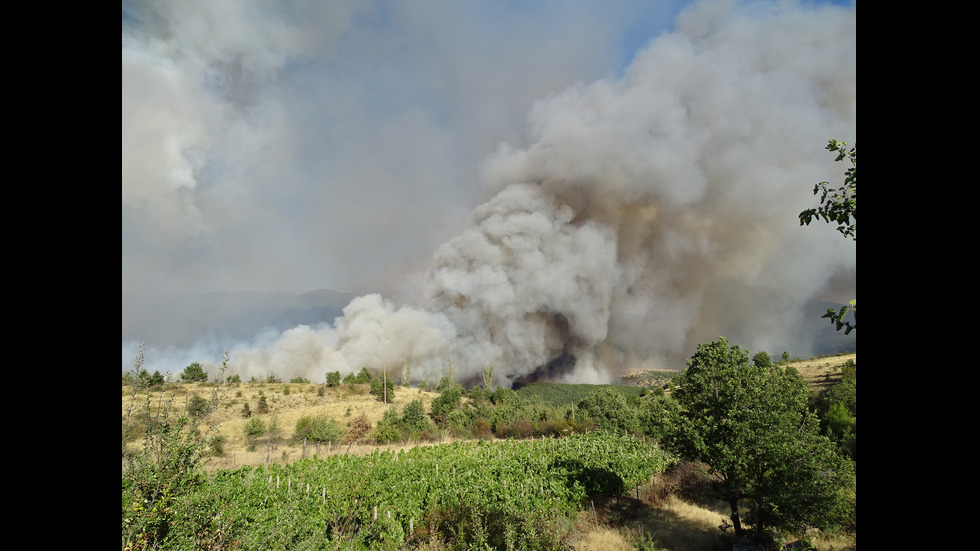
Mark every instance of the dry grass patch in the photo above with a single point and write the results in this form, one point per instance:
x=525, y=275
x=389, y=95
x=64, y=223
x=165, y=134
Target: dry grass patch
x=287, y=402
x=821, y=373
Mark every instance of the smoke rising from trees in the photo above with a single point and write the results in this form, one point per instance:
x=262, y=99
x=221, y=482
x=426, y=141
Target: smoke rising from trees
x=636, y=217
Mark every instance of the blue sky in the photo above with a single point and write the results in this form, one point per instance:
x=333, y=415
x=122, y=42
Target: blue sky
x=303, y=145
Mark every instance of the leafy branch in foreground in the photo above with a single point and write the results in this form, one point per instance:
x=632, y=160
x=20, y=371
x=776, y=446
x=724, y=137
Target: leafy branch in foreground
x=837, y=317
x=837, y=205
x=165, y=469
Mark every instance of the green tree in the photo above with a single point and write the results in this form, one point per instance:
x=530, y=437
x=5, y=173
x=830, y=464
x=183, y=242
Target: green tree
x=363, y=376
x=194, y=373
x=146, y=380
x=333, y=378
x=447, y=402
x=750, y=424
x=414, y=416
x=610, y=410
x=383, y=388
x=839, y=206
x=390, y=428
x=837, y=408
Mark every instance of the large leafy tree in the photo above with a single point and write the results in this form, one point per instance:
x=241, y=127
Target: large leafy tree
x=749, y=422
x=839, y=206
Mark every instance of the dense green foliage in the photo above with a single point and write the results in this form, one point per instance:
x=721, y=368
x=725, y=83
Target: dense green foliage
x=383, y=388
x=506, y=494
x=611, y=411
x=751, y=425
x=837, y=409
x=318, y=428
x=782, y=467
x=569, y=394
x=194, y=373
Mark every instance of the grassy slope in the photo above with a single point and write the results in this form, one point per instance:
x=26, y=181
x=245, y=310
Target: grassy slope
x=674, y=524
x=290, y=401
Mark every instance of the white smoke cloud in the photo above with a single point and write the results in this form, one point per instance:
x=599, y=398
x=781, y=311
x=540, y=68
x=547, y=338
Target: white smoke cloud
x=640, y=215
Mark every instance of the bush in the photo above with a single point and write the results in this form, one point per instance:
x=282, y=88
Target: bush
x=413, y=416
x=383, y=389
x=254, y=427
x=333, y=378
x=197, y=406
x=390, y=428
x=319, y=428
x=217, y=444
x=611, y=411
x=445, y=403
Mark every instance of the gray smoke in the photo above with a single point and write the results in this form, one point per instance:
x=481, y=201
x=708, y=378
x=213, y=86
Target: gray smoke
x=639, y=217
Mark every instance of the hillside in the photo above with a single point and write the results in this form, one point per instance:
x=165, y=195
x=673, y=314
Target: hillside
x=288, y=402
x=614, y=523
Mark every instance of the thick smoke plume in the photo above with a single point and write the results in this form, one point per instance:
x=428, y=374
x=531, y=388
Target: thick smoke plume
x=642, y=216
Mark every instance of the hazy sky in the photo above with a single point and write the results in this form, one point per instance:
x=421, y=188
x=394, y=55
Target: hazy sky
x=306, y=144
x=297, y=145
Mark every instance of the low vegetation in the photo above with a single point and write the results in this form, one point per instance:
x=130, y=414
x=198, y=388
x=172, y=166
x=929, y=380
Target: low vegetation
x=347, y=464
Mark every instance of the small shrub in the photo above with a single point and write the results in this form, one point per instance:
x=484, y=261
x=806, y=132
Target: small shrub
x=197, y=406
x=254, y=427
x=217, y=444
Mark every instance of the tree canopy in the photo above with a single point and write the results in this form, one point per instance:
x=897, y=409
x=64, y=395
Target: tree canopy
x=750, y=424
x=194, y=373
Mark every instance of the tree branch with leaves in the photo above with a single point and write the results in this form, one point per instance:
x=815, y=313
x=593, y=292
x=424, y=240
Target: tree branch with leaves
x=839, y=206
